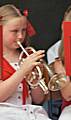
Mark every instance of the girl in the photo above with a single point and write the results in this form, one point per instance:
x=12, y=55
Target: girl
x=14, y=92
x=59, y=68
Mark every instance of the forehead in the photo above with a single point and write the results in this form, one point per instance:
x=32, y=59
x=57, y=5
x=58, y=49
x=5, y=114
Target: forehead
x=19, y=21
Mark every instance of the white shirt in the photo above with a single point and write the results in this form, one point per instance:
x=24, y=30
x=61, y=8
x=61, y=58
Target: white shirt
x=16, y=98
x=52, y=52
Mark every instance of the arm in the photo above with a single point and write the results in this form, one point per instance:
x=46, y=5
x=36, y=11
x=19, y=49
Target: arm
x=59, y=68
x=8, y=87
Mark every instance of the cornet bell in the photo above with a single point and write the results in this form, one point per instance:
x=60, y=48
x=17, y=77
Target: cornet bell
x=57, y=82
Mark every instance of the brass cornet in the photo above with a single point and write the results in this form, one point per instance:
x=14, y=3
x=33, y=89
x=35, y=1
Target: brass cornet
x=57, y=81
x=35, y=78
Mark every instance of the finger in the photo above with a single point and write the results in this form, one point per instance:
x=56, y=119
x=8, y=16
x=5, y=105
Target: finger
x=36, y=63
x=37, y=53
x=39, y=57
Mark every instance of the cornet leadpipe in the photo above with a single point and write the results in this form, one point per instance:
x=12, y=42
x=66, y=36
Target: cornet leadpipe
x=22, y=48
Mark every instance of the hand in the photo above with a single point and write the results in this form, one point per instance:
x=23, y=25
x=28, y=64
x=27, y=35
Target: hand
x=58, y=67
x=32, y=60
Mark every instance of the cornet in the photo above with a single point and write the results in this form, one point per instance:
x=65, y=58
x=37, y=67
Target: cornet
x=57, y=81
x=35, y=78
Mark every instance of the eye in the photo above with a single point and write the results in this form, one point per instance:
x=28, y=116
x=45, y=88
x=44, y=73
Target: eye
x=24, y=30
x=15, y=31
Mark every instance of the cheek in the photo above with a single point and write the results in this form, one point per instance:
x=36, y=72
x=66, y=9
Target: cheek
x=8, y=40
x=8, y=37
x=5, y=36
x=11, y=38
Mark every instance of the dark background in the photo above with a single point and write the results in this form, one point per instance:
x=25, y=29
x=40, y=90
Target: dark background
x=46, y=17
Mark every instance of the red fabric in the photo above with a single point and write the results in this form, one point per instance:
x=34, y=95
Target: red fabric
x=67, y=53
x=65, y=103
x=7, y=72
x=1, y=50
x=67, y=46
x=30, y=29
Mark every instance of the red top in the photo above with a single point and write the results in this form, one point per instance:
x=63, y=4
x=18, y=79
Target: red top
x=8, y=70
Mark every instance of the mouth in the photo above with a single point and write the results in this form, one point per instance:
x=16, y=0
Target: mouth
x=19, y=41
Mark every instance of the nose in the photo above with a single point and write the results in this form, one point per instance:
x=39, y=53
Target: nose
x=20, y=35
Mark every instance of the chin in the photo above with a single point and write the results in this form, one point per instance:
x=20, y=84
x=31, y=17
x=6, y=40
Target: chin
x=16, y=46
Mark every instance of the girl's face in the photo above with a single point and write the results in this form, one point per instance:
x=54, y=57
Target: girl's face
x=13, y=31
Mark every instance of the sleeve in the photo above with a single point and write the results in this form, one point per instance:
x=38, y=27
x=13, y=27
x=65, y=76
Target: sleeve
x=52, y=52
